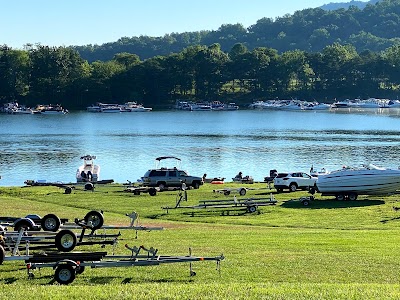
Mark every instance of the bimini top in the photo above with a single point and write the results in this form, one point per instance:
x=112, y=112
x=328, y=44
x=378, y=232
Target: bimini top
x=88, y=157
x=167, y=157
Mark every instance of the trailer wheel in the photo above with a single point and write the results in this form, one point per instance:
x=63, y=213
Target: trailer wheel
x=67, y=190
x=152, y=192
x=89, y=186
x=2, y=254
x=65, y=240
x=227, y=193
x=96, y=218
x=64, y=274
x=50, y=222
x=305, y=202
x=23, y=223
x=252, y=209
x=340, y=197
x=352, y=196
x=242, y=192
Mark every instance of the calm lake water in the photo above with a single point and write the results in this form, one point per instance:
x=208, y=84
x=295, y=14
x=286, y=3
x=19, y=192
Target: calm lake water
x=49, y=147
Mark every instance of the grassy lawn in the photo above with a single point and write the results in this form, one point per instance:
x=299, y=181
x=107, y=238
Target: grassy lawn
x=328, y=250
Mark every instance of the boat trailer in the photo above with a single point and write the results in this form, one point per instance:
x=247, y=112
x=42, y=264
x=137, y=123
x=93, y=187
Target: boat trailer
x=64, y=240
x=241, y=191
x=67, y=266
x=249, y=205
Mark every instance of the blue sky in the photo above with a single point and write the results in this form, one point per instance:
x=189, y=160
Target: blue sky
x=82, y=22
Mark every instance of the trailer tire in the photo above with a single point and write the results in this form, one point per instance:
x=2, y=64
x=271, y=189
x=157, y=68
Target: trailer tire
x=68, y=190
x=50, y=222
x=242, y=192
x=340, y=197
x=152, y=192
x=2, y=254
x=227, y=193
x=65, y=240
x=96, y=218
x=305, y=202
x=65, y=274
x=252, y=208
x=26, y=223
x=352, y=196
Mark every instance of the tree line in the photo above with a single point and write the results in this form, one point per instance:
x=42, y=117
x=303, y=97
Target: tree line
x=374, y=28
x=43, y=74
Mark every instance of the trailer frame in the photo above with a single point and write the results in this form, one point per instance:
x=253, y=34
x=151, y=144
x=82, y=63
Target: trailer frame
x=66, y=269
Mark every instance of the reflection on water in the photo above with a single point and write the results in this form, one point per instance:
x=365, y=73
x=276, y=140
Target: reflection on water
x=217, y=143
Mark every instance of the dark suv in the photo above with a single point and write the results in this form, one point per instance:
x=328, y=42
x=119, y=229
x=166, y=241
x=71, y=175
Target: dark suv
x=164, y=178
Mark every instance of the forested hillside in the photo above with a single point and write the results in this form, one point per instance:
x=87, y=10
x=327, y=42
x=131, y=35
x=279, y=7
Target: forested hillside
x=346, y=5
x=227, y=70
x=374, y=28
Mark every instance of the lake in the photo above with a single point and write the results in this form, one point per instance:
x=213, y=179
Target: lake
x=219, y=143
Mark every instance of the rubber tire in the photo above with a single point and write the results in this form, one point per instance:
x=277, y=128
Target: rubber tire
x=96, y=217
x=227, y=193
x=292, y=187
x=54, y=221
x=306, y=203
x=89, y=186
x=152, y=192
x=340, y=197
x=251, y=209
x=67, y=190
x=352, y=196
x=65, y=274
x=60, y=243
x=2, y=254
x=242, y=192
x=196, y=185
x=24, y=222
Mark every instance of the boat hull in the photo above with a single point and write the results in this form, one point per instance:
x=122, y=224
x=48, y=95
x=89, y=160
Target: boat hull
x=362, y=182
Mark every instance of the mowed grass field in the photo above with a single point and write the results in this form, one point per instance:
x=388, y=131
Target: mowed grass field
x=328, y=250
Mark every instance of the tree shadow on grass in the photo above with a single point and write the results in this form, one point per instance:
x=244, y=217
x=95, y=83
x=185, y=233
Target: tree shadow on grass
x=331, y=204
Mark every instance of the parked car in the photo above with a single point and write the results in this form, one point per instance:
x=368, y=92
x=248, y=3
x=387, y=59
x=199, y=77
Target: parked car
x=294, y=181
x=170, y=177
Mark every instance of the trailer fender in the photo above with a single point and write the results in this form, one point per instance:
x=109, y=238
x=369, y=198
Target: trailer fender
x=26, y=223
x=66, y=262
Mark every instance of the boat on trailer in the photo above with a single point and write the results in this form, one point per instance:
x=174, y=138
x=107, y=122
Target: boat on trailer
x=89, y=171
x=348, y=183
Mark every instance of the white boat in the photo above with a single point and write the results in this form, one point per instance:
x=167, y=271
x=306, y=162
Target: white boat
x=134, y=107
x=51, y=109
x=94, y=108
x=200, y=107
x=351, y=182
x=88, y=172
x=109, y=108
